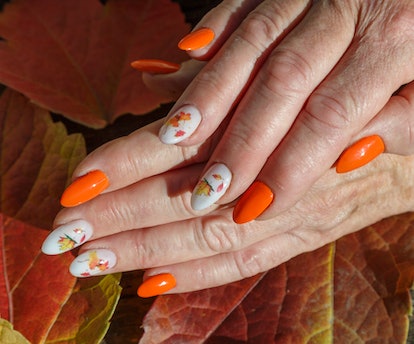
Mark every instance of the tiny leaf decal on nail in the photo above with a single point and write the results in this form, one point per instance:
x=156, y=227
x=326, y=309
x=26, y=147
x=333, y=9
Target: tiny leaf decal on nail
x=93, y=263
x=66, y=237
x=211, y=187
x=180, y=125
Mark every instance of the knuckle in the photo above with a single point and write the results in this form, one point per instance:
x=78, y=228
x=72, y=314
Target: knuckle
x=250, y=262
x=286, y=74
x=217, y=235
x=325, y=112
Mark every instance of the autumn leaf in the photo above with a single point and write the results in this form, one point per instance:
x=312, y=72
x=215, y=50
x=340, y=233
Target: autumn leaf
x=73, y=57
x=354, y=290
x=8, y=335
x=29, y=290
x=203, y=188
x=37, y=158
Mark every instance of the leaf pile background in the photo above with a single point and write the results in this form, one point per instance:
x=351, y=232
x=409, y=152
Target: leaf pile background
x=65, y=67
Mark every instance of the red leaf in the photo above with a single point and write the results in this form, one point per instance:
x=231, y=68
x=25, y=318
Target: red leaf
x=356, y=290
x=73, y=57
x=31, y=309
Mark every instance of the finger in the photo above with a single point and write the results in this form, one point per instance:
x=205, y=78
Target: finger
x=154, y=201
x=277, y=94
x=222, y=21
x=340, y=107
x=131, y=158
x=216, y=89
x=395, y=123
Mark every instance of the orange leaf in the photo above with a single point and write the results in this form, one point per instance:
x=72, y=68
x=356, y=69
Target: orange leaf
x=73, y=57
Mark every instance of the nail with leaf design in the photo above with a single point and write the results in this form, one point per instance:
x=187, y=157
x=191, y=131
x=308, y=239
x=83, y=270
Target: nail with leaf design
x=66, y=237
x=91, y=263
x=211, y=187
x=180, y=125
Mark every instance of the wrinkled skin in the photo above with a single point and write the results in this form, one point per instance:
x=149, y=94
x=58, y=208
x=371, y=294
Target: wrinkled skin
x=317, y=76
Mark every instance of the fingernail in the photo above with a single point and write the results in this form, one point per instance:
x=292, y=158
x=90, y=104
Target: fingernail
x=155, y=66
x=156, y=285
x=91, y=263
x=360, y=153
x=197, y=39
x=211, y=187
x=252, y=203
x=67, y=237
x=84, y=189
x=180, y=125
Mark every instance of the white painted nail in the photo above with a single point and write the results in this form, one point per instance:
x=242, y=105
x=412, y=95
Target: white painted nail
x=180, y=125
x=66, y=237
x=91, y=263
x=211, y=187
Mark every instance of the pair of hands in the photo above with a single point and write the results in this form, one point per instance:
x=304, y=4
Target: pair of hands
x=301, y=81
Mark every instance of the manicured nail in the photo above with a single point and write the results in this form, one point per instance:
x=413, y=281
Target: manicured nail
x=252, y=203
x=66, y=237
x=211, y=187
x=180, y=125
x=360, y=153
x=155, y=66
x=156, y=285
x=197, y=39
x=94, y=262
x=84, y=189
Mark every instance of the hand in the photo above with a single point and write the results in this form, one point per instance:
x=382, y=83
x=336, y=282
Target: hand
x=300, y=82
x=144, y=220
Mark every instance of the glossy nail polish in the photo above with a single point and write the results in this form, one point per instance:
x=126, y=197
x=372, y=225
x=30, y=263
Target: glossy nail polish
x=94, y=262
x=155, y=66
x=211, y=187
x=156, y=285
x=67, y=237
x=84, y=188
x=252, y=203
x=180, y=125
x=197, y=39
x=360, y=153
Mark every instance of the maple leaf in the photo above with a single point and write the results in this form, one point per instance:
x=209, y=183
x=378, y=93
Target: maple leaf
x=203, y=188
x=179, y=133
x=66, y=243
x=73, y=57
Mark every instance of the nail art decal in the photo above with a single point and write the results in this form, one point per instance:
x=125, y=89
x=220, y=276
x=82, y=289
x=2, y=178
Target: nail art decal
x=66, y=237
x=181, y=125
x=92, y=263
x=211, y=187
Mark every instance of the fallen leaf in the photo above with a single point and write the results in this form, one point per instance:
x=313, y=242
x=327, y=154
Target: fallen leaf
x=37, y=158
x=10, y=336
x=354, y=290
x=35, y=298
x=73, y=57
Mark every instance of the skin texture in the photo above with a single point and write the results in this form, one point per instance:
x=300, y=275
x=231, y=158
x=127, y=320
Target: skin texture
x=284, y=94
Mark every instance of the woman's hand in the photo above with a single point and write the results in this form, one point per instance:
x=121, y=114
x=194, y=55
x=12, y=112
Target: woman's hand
x=301, y=80
x=144, y=220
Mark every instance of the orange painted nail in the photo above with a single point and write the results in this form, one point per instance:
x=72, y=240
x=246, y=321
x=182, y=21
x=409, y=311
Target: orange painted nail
x=156, y=285
x=84, y=189
x=155, y=66
x=197, y=39
x=252, y=203
x=360, y=153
